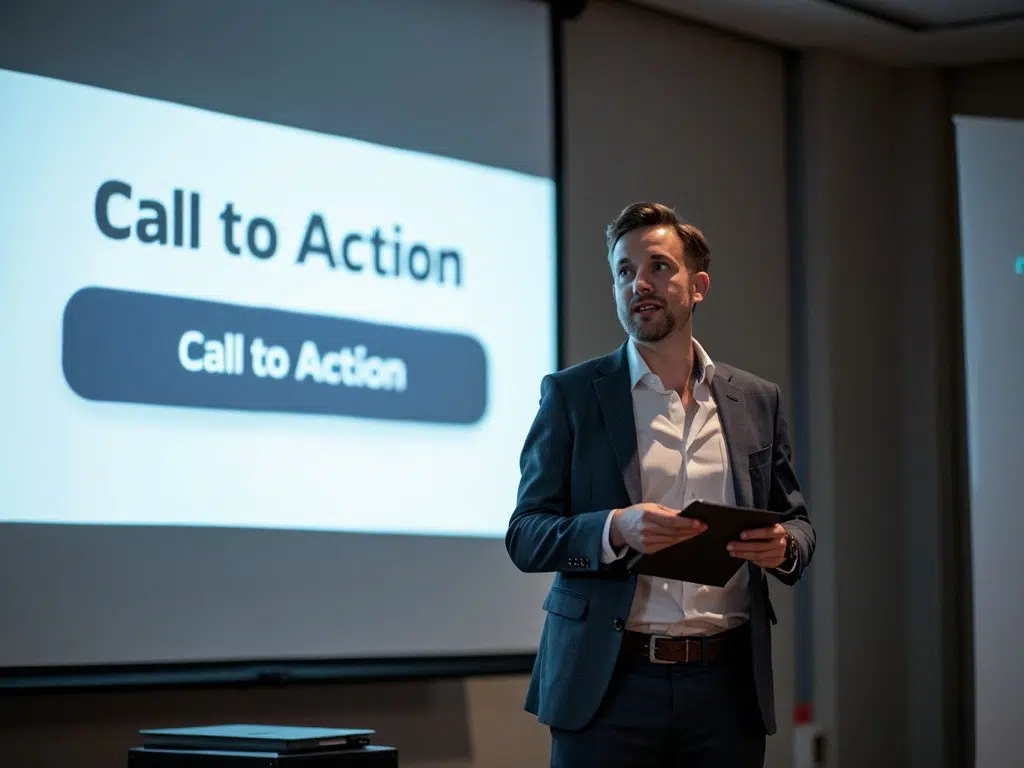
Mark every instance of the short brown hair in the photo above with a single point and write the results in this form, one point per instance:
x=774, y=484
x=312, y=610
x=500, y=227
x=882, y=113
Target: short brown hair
x=640, y=215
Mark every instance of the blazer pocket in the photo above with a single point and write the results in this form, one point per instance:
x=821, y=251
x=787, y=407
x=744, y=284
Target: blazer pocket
x=564, y=603
x=760, y=457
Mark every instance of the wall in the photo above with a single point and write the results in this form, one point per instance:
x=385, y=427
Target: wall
x=847, y=180
x=993, y=90
x=880, y=286
x=930, y=486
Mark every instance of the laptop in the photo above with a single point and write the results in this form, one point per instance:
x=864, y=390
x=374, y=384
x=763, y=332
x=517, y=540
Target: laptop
x=257, y=738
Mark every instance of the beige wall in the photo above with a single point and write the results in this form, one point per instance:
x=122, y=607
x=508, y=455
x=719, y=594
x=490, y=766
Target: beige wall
x=880, y=267
x=850, y=210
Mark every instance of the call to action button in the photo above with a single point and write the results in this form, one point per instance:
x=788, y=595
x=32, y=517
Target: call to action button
x=129, y=347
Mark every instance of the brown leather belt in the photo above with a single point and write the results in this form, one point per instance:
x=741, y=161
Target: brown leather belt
x=663, y=649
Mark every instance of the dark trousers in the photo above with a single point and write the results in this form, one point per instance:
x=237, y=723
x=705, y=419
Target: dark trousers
x=670, y=716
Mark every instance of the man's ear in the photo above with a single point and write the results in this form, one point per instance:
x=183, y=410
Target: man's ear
x=701, y=284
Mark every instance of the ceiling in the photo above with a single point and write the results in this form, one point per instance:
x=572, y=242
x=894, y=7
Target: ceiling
x=931, y=14
x=899, y=32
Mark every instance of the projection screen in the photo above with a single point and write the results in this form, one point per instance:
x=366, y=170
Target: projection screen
x=990, y=161
x=279, y=287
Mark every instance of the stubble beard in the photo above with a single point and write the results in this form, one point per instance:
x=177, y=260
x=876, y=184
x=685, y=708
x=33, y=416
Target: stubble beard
x=653, y=332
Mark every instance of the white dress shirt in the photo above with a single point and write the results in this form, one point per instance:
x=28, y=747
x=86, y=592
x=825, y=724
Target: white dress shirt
x=683, y=457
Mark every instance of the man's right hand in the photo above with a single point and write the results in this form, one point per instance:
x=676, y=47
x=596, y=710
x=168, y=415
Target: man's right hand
x=649, y=528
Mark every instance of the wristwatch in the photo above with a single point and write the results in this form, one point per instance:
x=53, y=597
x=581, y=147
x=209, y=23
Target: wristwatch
x=791, y=551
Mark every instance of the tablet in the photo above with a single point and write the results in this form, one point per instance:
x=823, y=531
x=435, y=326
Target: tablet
x=704, y=559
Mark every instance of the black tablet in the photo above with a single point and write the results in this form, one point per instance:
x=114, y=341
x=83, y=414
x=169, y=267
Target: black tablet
x=704, y=559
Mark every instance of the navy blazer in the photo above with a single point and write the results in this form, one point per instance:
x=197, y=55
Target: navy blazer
x=579, y=462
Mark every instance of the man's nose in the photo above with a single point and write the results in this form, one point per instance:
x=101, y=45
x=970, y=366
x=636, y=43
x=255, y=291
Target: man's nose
x=641, y=283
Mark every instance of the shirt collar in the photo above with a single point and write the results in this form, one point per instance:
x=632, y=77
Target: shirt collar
x=638, y=367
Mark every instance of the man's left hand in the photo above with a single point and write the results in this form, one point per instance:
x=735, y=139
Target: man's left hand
x=765, y=547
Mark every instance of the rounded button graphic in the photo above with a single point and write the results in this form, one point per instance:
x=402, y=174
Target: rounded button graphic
x=125, y=346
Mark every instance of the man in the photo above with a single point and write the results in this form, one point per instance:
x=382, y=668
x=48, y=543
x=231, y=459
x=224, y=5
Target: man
x=619, y=446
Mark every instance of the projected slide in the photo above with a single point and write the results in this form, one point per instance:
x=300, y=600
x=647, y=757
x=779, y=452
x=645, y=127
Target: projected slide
x=215, y=321
x=990, y=160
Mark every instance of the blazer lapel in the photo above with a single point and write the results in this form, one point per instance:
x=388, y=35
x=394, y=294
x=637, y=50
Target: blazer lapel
x=616, y=401
x=731, y=414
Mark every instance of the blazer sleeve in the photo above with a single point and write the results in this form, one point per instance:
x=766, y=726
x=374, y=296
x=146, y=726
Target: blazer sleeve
x=786, y=497
x=544, y=533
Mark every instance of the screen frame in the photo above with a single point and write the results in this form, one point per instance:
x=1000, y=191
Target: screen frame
x=263, y=672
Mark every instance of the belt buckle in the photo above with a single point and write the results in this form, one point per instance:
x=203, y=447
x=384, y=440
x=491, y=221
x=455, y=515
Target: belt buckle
x=652, y=650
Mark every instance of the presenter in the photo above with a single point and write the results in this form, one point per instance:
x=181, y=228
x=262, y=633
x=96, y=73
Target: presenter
x=636, y=670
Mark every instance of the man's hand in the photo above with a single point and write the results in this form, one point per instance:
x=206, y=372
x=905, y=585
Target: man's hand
x=765, y=547
x=649, y=528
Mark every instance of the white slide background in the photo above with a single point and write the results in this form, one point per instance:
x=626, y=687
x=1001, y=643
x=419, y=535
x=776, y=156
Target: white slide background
x=66, y=459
